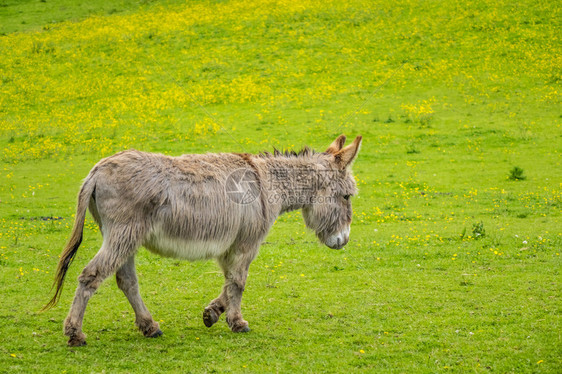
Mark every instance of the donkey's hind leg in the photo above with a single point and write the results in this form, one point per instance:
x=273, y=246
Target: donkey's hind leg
x=127, y=281
x=114, y=252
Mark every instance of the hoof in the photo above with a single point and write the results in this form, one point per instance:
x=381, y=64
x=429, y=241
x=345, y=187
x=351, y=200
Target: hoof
x=243, y=329
x=241, y=326
x=75, y=338
x=150, y=329
x=210, y=317
x=76, y=342
x=155, y=334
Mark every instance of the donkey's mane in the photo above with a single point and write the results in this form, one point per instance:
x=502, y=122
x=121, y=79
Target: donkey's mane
x=304, y=152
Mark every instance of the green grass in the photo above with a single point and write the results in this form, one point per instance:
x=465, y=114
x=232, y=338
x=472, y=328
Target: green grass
x=453, y=265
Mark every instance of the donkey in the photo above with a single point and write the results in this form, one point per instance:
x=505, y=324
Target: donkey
x=201, y=206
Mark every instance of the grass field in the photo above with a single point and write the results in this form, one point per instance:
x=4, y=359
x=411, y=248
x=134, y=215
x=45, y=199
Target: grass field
x=454, y=259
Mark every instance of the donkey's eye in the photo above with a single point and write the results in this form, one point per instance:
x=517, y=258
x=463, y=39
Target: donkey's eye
x=346, y=197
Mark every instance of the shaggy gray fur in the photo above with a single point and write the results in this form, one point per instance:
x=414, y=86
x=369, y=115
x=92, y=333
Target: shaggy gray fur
x=181, y=207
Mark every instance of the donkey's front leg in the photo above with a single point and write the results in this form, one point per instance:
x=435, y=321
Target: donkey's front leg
x=236, y=286
x=235, y=266
x=213, y=311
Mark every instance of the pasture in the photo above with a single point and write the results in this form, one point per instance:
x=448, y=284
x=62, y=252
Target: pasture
x=454, y=259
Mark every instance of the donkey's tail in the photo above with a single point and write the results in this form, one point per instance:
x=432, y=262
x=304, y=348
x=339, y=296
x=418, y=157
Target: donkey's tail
x=67, y=255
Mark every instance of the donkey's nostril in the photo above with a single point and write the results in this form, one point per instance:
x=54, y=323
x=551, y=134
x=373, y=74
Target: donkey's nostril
x=339, y=242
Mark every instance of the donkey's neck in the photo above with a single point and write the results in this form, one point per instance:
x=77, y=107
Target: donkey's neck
x=290, y=183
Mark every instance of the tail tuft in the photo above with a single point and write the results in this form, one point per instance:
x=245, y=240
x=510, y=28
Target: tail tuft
x=65, y=261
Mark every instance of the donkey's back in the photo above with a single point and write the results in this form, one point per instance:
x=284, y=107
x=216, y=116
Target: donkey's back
x=178, y=205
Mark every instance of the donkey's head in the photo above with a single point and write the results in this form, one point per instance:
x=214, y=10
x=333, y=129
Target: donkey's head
x=329, y=214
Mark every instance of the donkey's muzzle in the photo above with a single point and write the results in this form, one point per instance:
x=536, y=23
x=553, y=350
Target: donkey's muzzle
x=339, y=240
x=337, y=246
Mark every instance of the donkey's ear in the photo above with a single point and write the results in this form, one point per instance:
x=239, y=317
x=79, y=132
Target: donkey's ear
x=337, y=145
x=345, y=157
